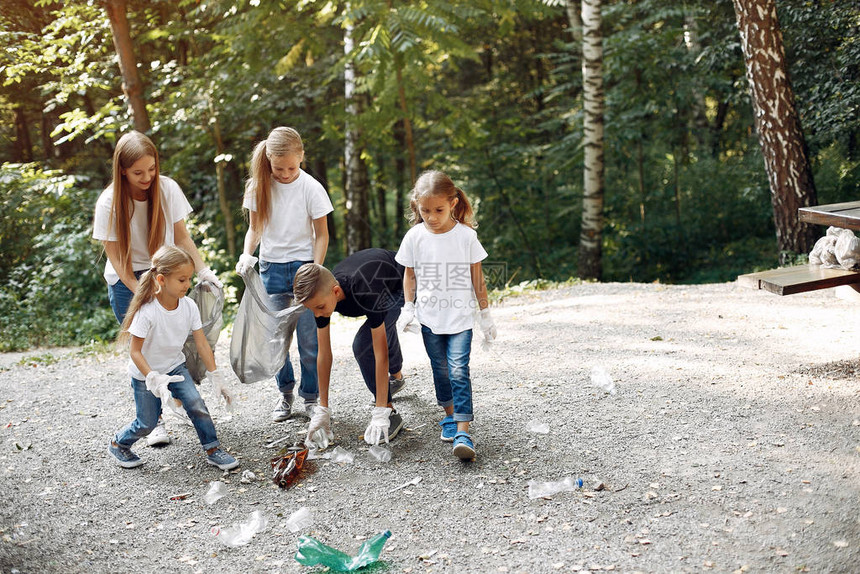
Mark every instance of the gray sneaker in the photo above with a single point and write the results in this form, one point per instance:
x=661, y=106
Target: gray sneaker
x=396, y=385
x=284, y=408
x=395, y=423
x=124, y=456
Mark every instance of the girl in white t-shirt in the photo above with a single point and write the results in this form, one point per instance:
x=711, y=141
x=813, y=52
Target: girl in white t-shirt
x=287, y=211
x=138, y=213
x=158, y=322
x=443, y=286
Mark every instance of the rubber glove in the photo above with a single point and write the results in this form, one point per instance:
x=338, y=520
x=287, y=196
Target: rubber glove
x=406, y=322
x=319, y=429
x=378, y=426
x=206, y=274
x=156, y=383
x=246, y=263
x=220, y=388
x=487, y=325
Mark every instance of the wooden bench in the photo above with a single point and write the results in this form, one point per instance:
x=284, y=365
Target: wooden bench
x=799, y=279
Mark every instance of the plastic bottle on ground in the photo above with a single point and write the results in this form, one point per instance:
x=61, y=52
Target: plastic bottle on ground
x=242, y=533
x=380, y=453
x=299, y=519
x=312, y=552
x=541, y=489
x=217, y=490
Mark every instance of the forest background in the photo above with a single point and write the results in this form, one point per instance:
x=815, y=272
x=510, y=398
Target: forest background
x=489, y=91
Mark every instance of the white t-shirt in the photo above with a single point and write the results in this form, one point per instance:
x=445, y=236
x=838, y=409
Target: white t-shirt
x=445, y=298
x=175, y=207
x=164, y=334
x=289, y=235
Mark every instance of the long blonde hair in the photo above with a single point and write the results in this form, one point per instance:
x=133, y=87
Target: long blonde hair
x=437, y=183
x=280, y=142
x=166, y=260
x=130, y=148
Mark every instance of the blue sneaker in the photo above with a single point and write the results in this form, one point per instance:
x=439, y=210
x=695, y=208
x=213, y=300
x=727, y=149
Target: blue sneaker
x=464, y=449
x=124, y=456
x=222, y=460
x=449, y=428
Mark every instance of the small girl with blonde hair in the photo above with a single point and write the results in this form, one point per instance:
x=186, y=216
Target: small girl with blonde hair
x=158, y=321
x=287, y=211
x=443, y=287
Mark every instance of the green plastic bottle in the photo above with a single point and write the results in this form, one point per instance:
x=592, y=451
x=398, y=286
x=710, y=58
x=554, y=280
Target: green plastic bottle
x=312, y=552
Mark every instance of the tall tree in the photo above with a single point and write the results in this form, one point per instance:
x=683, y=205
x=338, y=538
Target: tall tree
x=777, y=123
x=355, y=168
x=590, y=264
x=131, y=84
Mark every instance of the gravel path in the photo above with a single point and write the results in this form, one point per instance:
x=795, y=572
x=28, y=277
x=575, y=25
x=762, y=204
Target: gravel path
x=732, y=445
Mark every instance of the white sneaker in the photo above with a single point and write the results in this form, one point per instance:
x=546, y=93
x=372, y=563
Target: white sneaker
x=158, y=436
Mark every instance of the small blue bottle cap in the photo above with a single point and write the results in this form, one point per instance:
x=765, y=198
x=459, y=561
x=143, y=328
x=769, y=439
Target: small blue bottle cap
x=579, y=483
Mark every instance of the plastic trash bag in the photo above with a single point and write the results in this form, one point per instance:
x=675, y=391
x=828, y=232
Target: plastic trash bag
x=847, y=249
x=210, y=302
x=262, y=332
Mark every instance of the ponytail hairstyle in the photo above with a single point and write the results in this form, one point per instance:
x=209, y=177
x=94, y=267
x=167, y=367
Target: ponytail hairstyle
x=168, y=259
x=436, y=183
x=281, y=141
x=130, y=148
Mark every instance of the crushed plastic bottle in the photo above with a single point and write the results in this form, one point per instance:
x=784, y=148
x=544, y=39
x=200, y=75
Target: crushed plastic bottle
x=242, y=533
x=380, y=453
x=217, y=490
x=299, y=519
x=288, y=465
x=339, y=454
x=312, y=552
x=541, y=489
x=537, y=427
x=601, y=379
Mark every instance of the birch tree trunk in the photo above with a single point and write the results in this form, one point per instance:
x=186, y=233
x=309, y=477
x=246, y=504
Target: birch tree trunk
x=131, y=84
x=777, y=123
x=590, y=264
x=356, y=180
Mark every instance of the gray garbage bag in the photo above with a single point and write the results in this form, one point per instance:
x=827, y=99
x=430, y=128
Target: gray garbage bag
x=262, y=332
x=210, y=302
x=847, y=249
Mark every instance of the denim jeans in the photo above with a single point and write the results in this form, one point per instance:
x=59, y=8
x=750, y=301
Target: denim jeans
x=449, y=360
x=120, y=297
x=148, y=409
x=278, y=278
x=362, y=349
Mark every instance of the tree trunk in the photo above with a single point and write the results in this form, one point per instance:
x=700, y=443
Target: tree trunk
x=356, y=181
x=575, y=20
x=220, y=163
x=24, y=147
x=407, y=124
x=777, y=123
x=131, y=84
x=399, y=182
x=590, y=265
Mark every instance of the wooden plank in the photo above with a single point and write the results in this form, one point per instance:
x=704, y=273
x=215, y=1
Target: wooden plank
x=798, y=279
x=845, y=215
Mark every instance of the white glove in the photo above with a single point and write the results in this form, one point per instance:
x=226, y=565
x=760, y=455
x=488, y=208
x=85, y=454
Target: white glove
x=487, y=325
x=220, y=388
x=206, y=274
x=406, y=322
x=378, y=426
x=246, y=263
x=156, y=383
x=319, y=429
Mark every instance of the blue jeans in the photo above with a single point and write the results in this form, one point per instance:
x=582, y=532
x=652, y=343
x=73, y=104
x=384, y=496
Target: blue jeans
x=362, y=349
x=278, y=278
x=120, y=297
x=148, y=409
x=449, y=360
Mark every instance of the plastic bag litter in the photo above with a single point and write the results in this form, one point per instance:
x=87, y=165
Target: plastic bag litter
x=300, y=519
x=538, y=427
x=839, y=248
x=339, y=454
x=601, y=379
x=243, y=532
x=262, y=332
x=216, y=492
x=210, y=302
x=380, y=453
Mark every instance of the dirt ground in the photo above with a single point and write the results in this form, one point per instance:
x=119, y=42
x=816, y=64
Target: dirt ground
x=731, y=445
